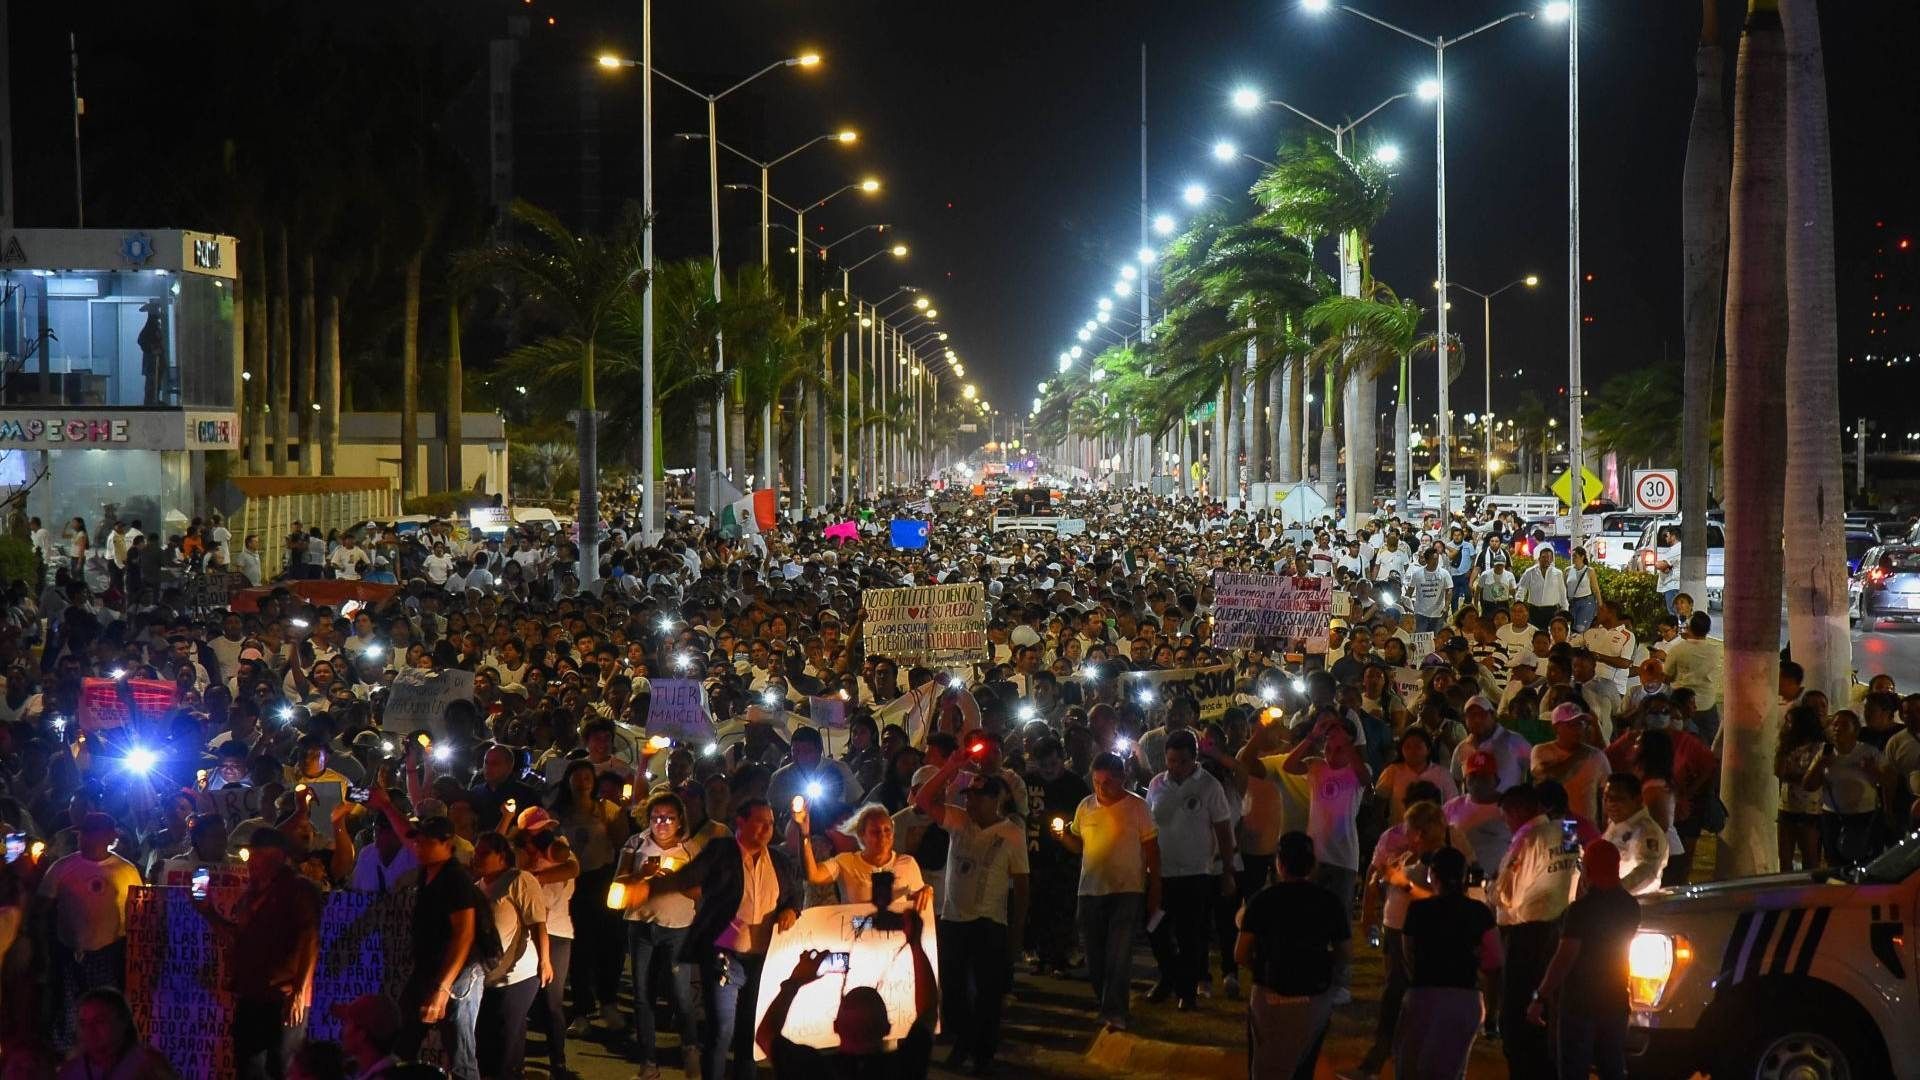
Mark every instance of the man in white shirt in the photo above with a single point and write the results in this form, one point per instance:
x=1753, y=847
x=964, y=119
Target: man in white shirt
x=87, y=895
x=247, y=560
x=1666, y=566
x=1428, y=590
x=1190, y=810
x=438, y=565
x=1485, y=734
x=1612, y=642
x=1392, y=558
x=1543, y=588
x=1535, y=883
x=349, y=559
x=1641, y=840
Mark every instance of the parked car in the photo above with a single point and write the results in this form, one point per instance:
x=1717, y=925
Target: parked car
x=1646, y=549
x=1614, y=544
x=1859, y=541
x=1886, y=588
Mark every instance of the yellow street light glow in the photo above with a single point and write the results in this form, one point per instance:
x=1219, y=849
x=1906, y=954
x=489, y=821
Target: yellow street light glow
x=969, y=392
x=921, y=302
x=932, y=314
x=869, y=185
x=864, y=321
x=899, y=251
x=608, y=60
x=807, y=59
x=848, y=136
x=943, y=335
x=1532, y=280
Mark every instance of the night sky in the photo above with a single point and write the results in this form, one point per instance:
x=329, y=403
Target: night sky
x=1007, y=137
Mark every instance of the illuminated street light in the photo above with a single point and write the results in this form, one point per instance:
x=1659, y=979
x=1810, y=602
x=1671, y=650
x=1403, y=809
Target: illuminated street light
x=921, y=302
x=899, y=251
x=1428, y=90
x=1556, y=11
x=1246, y=99
x=847, y=136
x=1076, y=352
x=1105, y=304
x=1386, y=154
x=969, y=392
x=1147, y=256
x=1193, y=194
x=1084, y=334
x=1127, y=273
x=1225, y=151
x=1164, y=225
x=1123, y=288
x=869, y=185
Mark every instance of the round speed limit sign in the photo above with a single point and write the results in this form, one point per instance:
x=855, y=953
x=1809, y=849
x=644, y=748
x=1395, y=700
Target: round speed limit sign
x=1656, y=491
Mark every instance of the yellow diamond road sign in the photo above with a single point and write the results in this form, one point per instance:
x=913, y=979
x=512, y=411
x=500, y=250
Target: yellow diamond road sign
x=1435, y=472
x=1589, y=486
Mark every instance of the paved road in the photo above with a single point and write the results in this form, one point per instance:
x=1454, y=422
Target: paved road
x=1893, y=651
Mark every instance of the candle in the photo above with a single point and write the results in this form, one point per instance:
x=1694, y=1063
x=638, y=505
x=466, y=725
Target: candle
x=617, y=895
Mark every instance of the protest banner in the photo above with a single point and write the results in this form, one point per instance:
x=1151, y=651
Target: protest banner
x=929, y=624
x=1406, y=682
x=115, y=703
x=875, y=957
x=1342, y=604
x=1211, y=687
x=828, y=712
x=677, y=709
x=1293, y=612
x=1421, y=647
x=419, y=699
x=176, y=974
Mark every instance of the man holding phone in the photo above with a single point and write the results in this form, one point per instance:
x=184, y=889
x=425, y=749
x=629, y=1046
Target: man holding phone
x=862, y=1023
x=273, y=947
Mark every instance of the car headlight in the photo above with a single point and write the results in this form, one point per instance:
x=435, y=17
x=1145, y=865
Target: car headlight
x=1654, y=962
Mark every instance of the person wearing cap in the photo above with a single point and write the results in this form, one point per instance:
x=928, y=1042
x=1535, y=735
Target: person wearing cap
x=86, y=893
x=1511, y=754
x=1475, y=819
x=1572, y=760
x=450, y=955
x=1583, y=993
x=273, y=948
x=1536, y=881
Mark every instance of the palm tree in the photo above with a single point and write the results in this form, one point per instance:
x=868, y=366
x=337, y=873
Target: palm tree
x=576, y=283
x=1365, y=337
x=1703, y=242
x=1631, y=415
x=1756, y=470
x=1817, y=553
x=1314, y=191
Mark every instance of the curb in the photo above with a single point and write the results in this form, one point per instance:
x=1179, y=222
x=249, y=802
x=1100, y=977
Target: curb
x=1126, y=1053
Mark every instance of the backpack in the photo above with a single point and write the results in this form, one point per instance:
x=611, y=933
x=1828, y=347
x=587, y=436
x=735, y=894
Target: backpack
x=486, y=950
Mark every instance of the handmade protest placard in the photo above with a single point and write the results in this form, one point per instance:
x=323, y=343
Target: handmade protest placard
x=677, y=709
x=419, y=699
x=1292, y=612
x=113, y=703
x=931, y=624
x=1211, y=687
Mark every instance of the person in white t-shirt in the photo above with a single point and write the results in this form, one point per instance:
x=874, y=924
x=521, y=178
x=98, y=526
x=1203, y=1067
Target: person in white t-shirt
x=1190, y=811
x=519, y=910
x=1119, y=845
x=349, y=560
x=87, y=892
x=1337, y=780
x=438, y=565
x=852, y=871
x=1666, y=566
x=1612, y=643
x=1577, y=764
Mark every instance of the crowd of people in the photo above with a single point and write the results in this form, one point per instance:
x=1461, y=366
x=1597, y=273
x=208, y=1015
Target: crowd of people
x=1487, y=766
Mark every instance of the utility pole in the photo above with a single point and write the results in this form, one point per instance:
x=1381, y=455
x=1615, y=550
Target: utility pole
x=1860, y=460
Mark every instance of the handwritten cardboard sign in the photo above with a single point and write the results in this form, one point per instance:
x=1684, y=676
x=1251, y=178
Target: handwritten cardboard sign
x=419, y=699
x=1291, y=612
x=114, y=703
x=928, y=624
x=677, y=709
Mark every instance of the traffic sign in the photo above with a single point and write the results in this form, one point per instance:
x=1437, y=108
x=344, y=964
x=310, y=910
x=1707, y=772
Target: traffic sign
x=1656, y=491
x=1436, y=472
x=1590, y=486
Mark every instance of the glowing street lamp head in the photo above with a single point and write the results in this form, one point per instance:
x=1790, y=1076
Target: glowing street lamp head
x=899, y=251
x=1164, y=225
x=608, y=60
x=807, y=59
x=1193, y=194
x=932, y=313
x=865, y=321
x=1147, y=256
x=1225, y=151
x=1105, y=304
x=1084, y=334
x=1076, y=352
x=1532, y=280
x=869, y=185
x=1123, y=288
x=921, y=302
x=1313, y=6
x=1246, y=99
x=1103, y=316
x=1556, y=11
x=1428, y=90
x=943, y=336
x=1386, y=154
x=969, y=392
x=847, y=136
x=1127, y=273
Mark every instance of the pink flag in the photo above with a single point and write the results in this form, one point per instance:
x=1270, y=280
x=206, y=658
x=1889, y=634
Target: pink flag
x=845, y=531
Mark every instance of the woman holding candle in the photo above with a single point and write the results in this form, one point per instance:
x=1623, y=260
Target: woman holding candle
x=853, y=871
x=657, y=927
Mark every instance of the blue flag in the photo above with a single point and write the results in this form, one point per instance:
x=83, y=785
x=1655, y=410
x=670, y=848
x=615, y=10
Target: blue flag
x=909, y=535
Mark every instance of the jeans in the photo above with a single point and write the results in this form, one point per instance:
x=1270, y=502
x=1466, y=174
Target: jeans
x=730, y=1013
x=1581, y=610
x=1591, y=1044
x=1428, y=624
x=1459, y=598
x=456, y=1027
x=1437, y=1030
x=1667, y=597
x=1050, y=923
x=1339, y=881
x=1391, y=996
x=648, y=945
x=1529, y=946
x=502, y=1027
x=1107, y=924
x=1180, y=941
x=984, y=975
x=548, y=1004
x=261, y=1037
x=1706, y=723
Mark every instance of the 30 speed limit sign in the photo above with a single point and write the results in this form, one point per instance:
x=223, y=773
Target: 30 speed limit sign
x=1656, y=491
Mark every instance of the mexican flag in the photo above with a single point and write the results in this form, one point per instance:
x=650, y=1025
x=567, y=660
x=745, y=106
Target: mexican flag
x=746, y=516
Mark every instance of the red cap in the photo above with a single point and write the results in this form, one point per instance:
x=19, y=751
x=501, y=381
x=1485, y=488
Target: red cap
x=1481, y=763
x=1600, y=864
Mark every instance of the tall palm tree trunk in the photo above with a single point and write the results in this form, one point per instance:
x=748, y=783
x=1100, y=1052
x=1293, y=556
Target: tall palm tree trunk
x=587, y=425
x=1277, y=426
x=737, y=434
x=282, y=355
x=330, y=385
x=1329, y=445
x=703, y=460
x=1403, y=442
x=1261, y=445
x=309, y=361
x=453, y=424
x=410, y=378
x=1236, y=375
x=1363, y=437
x=1756, y=471
x=1703, y=240
x=255, y=333
x=796, y=461
x=1296, y=420
x=1816, y=555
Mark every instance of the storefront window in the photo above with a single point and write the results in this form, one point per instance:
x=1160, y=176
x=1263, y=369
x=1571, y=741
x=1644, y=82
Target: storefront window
x=100, y=486
x=116, y=338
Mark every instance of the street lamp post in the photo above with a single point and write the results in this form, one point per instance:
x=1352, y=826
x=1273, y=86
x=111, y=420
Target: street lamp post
x=1486, y=315
x=1435, y=91
x=898, y=251
x=1569, y=10
x=704, y=491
